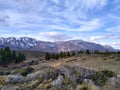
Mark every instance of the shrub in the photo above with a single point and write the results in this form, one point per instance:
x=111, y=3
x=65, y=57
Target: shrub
x=68, y=81
x=2, y=81
x=26, y=71
x=33, y=84
x=104, y=58
x=5, y=73
x=101, y=77
x=46, y=85
x=85, y=86
x=108, y=73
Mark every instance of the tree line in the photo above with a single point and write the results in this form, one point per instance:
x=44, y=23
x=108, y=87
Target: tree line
x=56, y=56
x=49, y=56
x=8, y=56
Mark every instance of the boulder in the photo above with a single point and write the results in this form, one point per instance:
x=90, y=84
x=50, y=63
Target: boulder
x=13, y=79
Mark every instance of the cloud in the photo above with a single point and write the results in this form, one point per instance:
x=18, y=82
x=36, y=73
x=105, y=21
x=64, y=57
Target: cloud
x=114, y=29
x=81, y=26
x=54, y=36
x=52, y=13
x=4, y=20
x=91, y=4
x=101, y=37
x=43, y=36
x=116, y=45
x=110, y=43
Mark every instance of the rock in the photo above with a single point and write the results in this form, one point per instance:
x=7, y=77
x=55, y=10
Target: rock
x=88, y=81
x=115, y=81
x=58, y=81
x=33, y=76
x=13, y=79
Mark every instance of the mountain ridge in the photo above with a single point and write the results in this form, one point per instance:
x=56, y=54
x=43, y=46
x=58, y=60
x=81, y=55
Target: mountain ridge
x=26, y=43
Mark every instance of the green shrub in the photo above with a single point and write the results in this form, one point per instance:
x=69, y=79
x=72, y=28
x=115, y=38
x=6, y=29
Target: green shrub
x=101, y=77
x=26, y=71
x=104, y=58
x=108, y=73
x=5, y=73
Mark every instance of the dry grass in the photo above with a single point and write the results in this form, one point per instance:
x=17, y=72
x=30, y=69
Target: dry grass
x=94, y=62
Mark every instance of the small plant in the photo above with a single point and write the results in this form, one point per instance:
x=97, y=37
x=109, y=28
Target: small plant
x=33, y=84
x=2, y=81
x=46, y=85
x=68, y=81
x=85, y=86
x=104, y=58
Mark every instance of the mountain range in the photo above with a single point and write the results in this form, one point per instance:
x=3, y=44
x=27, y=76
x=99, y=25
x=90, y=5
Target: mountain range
x=25, y=43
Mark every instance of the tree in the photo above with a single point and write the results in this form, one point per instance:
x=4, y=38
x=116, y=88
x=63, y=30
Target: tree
x=73, y=53
x=47, y=56
x=1, y=62
x=118, y=52
x=96, y=52
x=6, y=57
x=61, y=55
x=56, y=56
x=14, y=55
x=64, y=54
x=20, y=58
x=80, y=52
x=23, y=57
x=68, y=54
x=7, y=49
x=88, y=52
x=53, y=55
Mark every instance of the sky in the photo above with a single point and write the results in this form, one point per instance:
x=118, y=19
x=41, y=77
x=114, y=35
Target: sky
x=60, y=20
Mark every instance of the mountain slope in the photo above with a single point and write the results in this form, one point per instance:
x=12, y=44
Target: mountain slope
x=25, y=43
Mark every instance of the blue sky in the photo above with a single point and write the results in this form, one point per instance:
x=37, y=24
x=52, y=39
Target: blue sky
x=58, y=20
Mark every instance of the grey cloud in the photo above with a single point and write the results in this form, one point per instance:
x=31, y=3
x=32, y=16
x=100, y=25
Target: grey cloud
x=4, y=20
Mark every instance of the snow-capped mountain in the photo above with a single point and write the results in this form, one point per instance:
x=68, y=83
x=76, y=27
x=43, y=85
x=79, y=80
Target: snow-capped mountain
x=18, y=43
x=25, y=43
